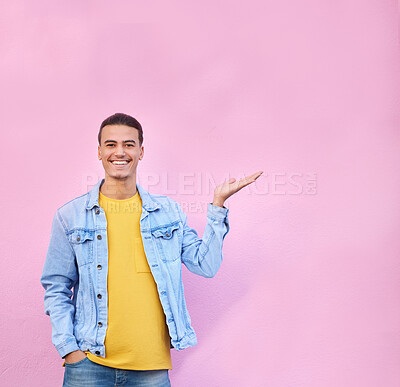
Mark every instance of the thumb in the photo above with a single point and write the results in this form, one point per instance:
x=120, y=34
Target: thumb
x=231, y=180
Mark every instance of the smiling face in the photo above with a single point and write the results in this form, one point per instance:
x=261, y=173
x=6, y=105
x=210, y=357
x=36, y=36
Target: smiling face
x=120, y=152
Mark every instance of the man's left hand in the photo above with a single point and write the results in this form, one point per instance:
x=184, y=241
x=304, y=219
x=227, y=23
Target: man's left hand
x=231, y=186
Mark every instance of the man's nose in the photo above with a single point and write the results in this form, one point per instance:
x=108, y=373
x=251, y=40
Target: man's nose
x=120, y=151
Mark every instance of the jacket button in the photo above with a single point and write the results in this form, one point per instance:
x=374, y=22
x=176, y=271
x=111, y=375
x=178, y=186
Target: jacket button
x=167, y=235
x=97, y=211
x=98, y=236
x=99, y=296
x=78, y=238
x=99, y=267
x=97, y=352
x=99, y=324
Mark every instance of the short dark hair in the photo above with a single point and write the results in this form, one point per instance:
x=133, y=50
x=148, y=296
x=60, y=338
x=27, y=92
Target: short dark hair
x=122, y=119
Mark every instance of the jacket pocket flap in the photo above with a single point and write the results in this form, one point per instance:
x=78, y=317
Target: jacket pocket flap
x=80, y=236
x=165, y=232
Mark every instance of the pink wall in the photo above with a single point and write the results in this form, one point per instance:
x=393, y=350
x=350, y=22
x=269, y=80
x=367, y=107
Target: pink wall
x=308, y=294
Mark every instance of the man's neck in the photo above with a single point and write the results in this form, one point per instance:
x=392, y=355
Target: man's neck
x=118, y=189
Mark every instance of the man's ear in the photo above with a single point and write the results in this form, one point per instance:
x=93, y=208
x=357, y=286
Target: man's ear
x=98, y=152
x=141, y=152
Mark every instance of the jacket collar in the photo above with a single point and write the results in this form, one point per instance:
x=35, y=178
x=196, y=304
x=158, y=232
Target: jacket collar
x=147, y=202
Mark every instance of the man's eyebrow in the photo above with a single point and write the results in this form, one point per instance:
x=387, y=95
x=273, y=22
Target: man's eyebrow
x=105, y=142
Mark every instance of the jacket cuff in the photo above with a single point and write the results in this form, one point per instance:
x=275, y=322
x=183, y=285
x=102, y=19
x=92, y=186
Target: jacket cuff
x=216, y=212
x=66, y=348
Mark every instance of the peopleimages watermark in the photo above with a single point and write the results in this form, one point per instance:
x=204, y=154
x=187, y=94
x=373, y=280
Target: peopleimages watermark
x=202, y=184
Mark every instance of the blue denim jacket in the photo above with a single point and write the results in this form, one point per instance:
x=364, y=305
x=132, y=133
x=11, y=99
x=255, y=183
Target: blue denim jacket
x=77, y=257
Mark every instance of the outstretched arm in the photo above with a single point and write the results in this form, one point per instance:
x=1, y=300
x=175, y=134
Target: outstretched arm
x=203, y=256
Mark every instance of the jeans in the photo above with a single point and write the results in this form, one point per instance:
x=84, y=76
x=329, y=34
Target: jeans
x=86, y=373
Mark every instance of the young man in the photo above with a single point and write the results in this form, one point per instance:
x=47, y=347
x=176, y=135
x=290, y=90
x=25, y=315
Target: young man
x=121, y=249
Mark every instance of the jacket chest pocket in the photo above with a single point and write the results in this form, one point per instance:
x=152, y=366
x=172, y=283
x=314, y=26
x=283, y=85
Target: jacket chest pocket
x=82, y=242
x=168, y=241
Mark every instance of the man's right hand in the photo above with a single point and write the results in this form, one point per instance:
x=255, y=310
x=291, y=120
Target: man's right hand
x=75, y=356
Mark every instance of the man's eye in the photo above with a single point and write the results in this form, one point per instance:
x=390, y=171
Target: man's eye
x=110, y=144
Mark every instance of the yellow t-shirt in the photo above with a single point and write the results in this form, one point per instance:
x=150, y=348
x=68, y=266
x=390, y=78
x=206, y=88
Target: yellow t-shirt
x=137, y=336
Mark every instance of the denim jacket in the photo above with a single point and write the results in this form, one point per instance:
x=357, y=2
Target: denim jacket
x=77, y=257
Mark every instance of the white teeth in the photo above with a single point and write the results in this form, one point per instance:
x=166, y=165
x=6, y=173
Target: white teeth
x=120, y=162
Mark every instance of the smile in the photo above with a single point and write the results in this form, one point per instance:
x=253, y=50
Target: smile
x=122, y=162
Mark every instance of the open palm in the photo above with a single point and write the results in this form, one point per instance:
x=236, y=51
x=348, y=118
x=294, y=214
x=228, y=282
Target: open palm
x=231, y=186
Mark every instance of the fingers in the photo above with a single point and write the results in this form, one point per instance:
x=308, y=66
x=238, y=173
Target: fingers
x=256, y=175
x=249, y=179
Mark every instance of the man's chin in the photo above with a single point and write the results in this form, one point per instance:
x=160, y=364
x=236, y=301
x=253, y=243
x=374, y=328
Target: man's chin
x=119, y=176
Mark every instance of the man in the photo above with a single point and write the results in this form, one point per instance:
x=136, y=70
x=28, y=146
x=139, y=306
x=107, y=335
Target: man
x=121, y=248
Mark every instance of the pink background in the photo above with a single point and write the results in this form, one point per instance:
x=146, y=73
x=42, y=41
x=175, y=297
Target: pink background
x=308, y=292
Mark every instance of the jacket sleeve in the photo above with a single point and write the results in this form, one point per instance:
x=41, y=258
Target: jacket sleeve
x=204, y=256
x=58, y=277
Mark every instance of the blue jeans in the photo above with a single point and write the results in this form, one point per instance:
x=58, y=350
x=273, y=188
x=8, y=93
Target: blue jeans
x=86, y=373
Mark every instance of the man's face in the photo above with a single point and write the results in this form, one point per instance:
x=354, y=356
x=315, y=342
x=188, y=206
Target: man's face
x=120, y=143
